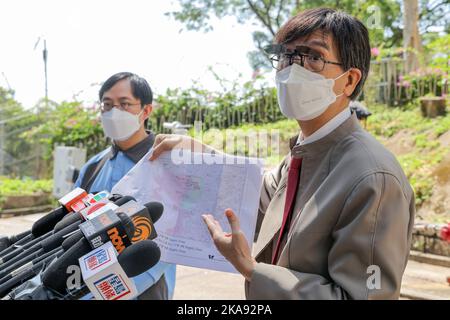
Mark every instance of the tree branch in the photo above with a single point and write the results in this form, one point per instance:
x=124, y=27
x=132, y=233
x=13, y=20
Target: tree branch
x=277, y=19
x=260, y=17
x=426, y=11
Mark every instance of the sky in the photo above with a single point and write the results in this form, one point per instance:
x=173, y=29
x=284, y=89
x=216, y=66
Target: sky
x=88, y=41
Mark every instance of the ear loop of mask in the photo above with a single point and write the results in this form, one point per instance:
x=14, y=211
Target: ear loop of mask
x=139, y=115
x=338, y=78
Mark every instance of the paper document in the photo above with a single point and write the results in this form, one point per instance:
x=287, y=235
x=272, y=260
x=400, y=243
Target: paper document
x=188, y=190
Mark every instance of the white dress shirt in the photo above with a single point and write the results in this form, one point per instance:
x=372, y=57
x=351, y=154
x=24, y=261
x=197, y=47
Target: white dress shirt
x=327, y=128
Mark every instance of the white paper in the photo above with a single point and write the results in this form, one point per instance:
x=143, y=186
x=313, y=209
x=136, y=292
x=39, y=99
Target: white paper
x=189, y=190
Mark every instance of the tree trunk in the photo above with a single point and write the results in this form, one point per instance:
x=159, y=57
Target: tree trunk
x=411, y=36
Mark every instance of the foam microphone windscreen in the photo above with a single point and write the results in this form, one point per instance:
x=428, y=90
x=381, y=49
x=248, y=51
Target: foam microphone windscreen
x=58, y=237
x=155, y=210
x=123, y=200
x=4, y=243
x=20, y=237
x=67, y=221
x=48, y=222
x=127, y=223
x=55, y=276
x=139, y=257
x=71, y=240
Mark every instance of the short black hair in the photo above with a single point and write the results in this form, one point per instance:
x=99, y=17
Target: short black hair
x=139, y=88
x=350, y=37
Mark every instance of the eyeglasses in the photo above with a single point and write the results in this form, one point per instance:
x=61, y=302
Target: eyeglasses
x=310, y=60
x=124, y=106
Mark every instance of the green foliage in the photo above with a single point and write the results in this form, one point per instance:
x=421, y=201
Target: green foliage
x=70, y=124
x=269, y=141
x=17, y=151
x=385, y=122
x=437, y=52
x=12, y=187
x=235, y=105
x=23, y=187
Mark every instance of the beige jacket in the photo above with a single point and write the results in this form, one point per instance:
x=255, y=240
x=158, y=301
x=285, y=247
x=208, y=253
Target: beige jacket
x=354, y=210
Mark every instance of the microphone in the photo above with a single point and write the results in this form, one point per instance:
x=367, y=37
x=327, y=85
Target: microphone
x=27, y=236
x=55, y=276
x=142, y=217
x=116, y=227
x=110, y=226
x=103, y=206
x=139, y=257
x=25, y=275
x=105, y=281
x=64, y=227
x=48, y=222
x=45, y=245
x=155, y=209
x=77, y=217
x=107, y=228
x=45, y=223
x=13, y=253
x=4, y=243
x=20, y=238
x=24, y=265
x=67, y=220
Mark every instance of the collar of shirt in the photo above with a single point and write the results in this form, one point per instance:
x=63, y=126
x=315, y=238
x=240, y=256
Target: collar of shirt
x=136, y=152
x=326, y=129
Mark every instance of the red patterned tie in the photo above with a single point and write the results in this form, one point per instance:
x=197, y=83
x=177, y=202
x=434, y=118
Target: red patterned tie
x=292, y=185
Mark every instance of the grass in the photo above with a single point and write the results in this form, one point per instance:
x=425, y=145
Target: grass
x=427, y=151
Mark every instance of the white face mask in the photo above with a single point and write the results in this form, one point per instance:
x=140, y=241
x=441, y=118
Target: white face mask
x=303, y=94
x=120, y=125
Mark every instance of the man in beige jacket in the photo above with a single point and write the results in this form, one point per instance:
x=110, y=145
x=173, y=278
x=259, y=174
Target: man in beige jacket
x=336, y=216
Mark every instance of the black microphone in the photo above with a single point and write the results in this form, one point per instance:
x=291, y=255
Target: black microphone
x=15, y=241
x=45, y=245
x=139, y=257
x=155, y=209
x=58, y=238
x=75, y=217
x=135, y=259
x=143, y=217
x=24, y=276
x=123, y=199
x=71, y=240
x=48, y=222
x=21, y=237
x=55, y=277
x=4, y=243
x=18, y=249
x=25, y=264
x=67, y=221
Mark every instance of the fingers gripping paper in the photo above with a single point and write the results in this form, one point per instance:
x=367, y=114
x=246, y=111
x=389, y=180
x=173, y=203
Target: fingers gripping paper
x=188, y=189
